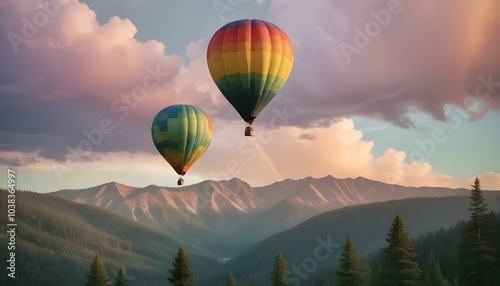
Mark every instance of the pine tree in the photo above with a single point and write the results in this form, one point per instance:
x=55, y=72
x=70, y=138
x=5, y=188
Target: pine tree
x=433, y=274
x=476, y=259
x=326, y=283
x=97, y=274
x=377, y=274
x=231, y=281
x=180, y=274
x=252, y=282
x=366, y=273
x=399, y=267
x=280, y=271
x=121, y=279
x=349, y=272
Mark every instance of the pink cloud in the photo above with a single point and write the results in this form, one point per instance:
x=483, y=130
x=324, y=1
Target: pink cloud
x=422, y=55
x=73, y=72
x=279, y=153
x=338, y=150
x=71, y=53
x=66, y=73
x=489, y=181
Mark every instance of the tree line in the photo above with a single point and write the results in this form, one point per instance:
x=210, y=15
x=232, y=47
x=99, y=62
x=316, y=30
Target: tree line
x=476, y=261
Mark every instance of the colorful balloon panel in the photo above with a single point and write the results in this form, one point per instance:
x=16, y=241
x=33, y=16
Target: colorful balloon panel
x=181, y=133
x=250, y=61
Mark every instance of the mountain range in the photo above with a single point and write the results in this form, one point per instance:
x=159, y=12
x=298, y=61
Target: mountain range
x=319, y=240
x=141, y=228
x=226, y=217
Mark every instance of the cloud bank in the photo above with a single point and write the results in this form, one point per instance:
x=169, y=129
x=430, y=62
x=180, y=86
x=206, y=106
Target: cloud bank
x=82, y=91
x=384, y=58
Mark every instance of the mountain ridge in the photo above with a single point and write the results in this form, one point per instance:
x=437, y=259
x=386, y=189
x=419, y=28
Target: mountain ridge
x=230, y=214
x=367, y=225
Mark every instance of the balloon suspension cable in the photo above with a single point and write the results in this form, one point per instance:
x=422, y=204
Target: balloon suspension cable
x=248, y=130
x=180, y=182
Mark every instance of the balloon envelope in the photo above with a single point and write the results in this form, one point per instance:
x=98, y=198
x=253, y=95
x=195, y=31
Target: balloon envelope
x=249, y=60
x=181, y=133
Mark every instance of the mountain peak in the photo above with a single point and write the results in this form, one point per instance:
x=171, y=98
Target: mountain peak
x=116, y=184
x=238, y=182
x=112, y=185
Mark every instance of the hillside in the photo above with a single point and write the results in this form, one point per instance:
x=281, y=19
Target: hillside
x=367, y=225
x=57, y=239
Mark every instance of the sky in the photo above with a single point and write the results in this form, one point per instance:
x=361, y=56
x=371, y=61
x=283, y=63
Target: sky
x=404, y=92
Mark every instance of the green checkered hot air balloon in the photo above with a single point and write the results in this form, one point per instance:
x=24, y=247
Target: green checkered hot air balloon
x=181, y=133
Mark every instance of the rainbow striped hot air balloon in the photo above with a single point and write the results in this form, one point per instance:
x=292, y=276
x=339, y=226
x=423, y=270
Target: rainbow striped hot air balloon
x=181, y=133
x=249, y=60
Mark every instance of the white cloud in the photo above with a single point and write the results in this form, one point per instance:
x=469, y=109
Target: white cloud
x=134, y=169
x=277, y=154
x=271, y=155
